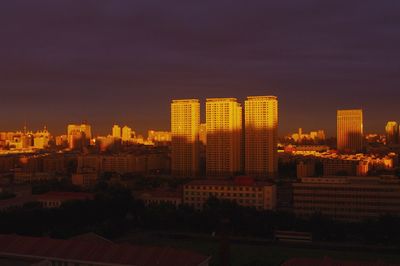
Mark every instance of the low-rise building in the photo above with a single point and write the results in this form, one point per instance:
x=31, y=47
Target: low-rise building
x=55, y=199
x=333, y=167
x=305, y=168
x=347, y=198
x=245, y=191
x=31, y=177
x=160, y=196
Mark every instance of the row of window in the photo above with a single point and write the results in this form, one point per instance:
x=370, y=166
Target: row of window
x=348, y=203
x=349, y=210
x=224, y=188
x=222, y=194
x=352, y=189
x=348, y=196
x=240, y=201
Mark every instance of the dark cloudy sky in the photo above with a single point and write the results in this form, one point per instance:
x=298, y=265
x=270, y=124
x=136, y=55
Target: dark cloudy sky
x=64, y=61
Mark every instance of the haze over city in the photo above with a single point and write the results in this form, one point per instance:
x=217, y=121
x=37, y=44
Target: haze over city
x=123, y=62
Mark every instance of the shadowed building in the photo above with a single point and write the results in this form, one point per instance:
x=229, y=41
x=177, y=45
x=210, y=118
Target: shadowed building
x=350, y=131
x=185, y=122
x=392, y=132
x=347, y=198
x=261, y=136
x=243, y=190
x=224, y=137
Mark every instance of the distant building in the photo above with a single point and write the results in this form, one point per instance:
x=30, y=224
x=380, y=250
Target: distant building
x=118, y=164
x=341, y=167
x=363, y=168
x=41, y=139
x=85, y=179
x=31, y=177
x=150, y=163
x=313, y=136
x=54, y=163
x=392, y=133
x=89, y=163
x=62, y=141
x=245, y=191
x=79, y=135
x=306, y=168
x=347, y=198
x=105, y=143
x=160, y=196
x=261, y=136
x=224, y=137
x=350, y=131
x=25, y=141
x=116, y=132
x=127, y=134
x=185, y=121
x=159, y=137
x=55, y=199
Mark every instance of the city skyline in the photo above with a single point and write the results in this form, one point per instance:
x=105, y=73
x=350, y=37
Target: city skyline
x=103, y=128
x=199, y=133
x=121, y=60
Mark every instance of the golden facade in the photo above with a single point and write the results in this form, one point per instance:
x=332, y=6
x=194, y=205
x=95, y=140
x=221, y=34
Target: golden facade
x=350, y=132
x=224, y=137
x=261, y=136
x=245, y=192
x=185, y=122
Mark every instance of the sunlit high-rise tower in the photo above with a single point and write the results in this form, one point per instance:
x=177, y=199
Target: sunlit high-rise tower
x=392, y=132
x=261, y=136
x=224, y=137
x=185, y=121
x=350, y=132
x=116, y=131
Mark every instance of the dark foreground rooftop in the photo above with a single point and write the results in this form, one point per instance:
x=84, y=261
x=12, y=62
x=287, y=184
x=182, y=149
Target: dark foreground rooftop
x=95, y=253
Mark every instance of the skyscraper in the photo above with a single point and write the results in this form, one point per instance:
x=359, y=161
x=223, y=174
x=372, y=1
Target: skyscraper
x=261, y=136
x=116, y=131
x=185, y=121
x=392, y=132
x=350, y=132
x=224, y=137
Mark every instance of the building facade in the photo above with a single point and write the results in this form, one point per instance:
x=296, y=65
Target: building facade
x=243, y=190
x=185, y=121
x=79, y=135
x=224, y=137
x=347, y=198
x=392, y=133
x=350, y=131
x=261, y=136
x=126, y=134
x=116, y=132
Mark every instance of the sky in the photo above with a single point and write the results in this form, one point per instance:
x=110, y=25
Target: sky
x=124, y=61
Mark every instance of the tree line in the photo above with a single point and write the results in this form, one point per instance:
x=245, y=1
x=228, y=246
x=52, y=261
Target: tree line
x=114, y=212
